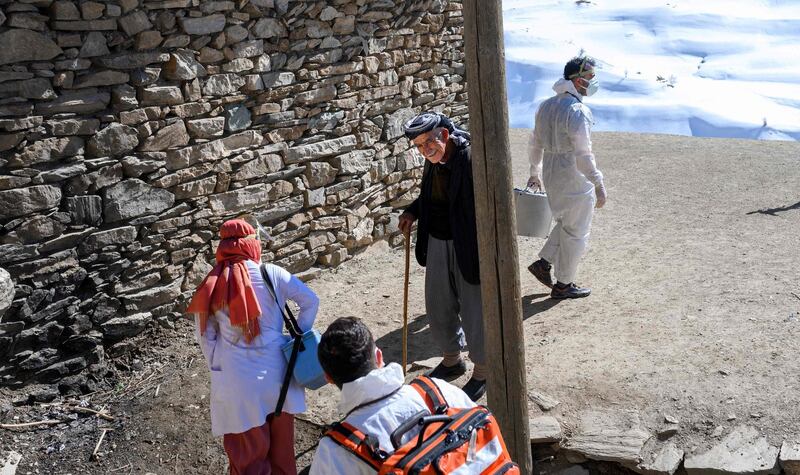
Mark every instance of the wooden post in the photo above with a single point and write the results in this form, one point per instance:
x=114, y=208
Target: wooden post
x=497, y=237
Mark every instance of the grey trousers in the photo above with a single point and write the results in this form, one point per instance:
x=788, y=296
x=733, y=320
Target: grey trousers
x=453, y=304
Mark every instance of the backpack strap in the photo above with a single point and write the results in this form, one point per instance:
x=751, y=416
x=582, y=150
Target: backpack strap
x=363, y=446
x=430, y=393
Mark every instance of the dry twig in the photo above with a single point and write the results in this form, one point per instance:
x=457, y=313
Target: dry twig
x=48, y=422
x=86, y=410
x=97, y=447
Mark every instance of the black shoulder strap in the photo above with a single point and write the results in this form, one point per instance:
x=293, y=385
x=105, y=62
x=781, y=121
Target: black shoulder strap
x=431, y=393
x=288, y=317
x=294, y=331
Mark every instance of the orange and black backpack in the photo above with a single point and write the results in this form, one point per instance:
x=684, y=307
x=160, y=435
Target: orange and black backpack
x=450, y=440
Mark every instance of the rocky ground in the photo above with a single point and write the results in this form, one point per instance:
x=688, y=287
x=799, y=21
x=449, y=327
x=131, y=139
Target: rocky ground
x=691, y=332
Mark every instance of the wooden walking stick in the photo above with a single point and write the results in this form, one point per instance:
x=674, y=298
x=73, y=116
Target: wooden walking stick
x=407, y=245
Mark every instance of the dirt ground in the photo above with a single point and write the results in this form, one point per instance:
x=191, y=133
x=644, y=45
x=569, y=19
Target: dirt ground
x=694, y=315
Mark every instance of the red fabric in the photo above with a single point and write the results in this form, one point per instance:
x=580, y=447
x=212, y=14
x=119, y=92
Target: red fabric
x=228, y=285
x=263, y=450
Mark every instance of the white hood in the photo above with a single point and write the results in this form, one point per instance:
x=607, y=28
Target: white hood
x=565, y=85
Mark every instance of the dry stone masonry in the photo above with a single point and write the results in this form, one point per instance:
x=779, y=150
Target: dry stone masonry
x=130, y=129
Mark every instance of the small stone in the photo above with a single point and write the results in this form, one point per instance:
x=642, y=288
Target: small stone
x=269, y=28
x=114, y=140
x=321, y=149
x=670, y=419
x=109, y=237
x=744, y=450
x=168, y=137
x=222, y=84
x=92, y=10
x=64, y=10
x=86, y=102
x=210, y=55
x=204, y=25
x=237, y=118
x=135, y=23
x=148, y=40
x=145, y=76
x=248, y=49
x=612, y=436
x=23, y=201
x=48, y=150
x=6, y=291
x=206, y=128
x=183, y=66
x=28, y=46
x=238, y=65
x=544, y=430
x=125, y=327
x=319, y=174
x=95, y=45
x=85, y=209
x=278, y=79
x=329, y=13
x=102, y=78
x=127, y=61
x=161, y=95
x=132, y=198
x=661, y=460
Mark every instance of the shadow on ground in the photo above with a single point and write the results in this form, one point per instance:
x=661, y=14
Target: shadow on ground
x=420, y=342
x=775, y=211
x=531, y=306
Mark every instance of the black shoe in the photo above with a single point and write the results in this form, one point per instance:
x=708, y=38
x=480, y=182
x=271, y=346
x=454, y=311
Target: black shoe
x=475, y=389
x=569, y=291
x=541, y=270
x=448, y=373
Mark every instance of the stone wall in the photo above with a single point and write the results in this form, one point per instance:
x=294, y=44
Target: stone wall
x=130, y=129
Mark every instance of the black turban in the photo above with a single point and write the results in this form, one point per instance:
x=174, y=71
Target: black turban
x=428, y=121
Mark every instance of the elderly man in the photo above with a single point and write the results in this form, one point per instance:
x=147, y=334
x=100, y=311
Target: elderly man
x=561, y=147
x=447, y=245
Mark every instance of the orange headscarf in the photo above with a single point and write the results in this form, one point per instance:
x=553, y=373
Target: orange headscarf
x=228, y=285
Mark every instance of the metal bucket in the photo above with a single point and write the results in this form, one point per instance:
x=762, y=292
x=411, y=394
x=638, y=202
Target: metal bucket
x=534, y=217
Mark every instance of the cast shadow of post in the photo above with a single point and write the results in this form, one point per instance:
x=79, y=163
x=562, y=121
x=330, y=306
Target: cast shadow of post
x=420, y=341
x=775, y=211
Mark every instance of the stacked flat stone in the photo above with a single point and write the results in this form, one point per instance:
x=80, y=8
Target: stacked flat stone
x=131, y=129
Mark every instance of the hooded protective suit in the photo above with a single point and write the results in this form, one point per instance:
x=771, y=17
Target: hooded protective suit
x=561, y=154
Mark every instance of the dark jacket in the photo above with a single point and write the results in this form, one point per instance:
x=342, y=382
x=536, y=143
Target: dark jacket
x=461, y=197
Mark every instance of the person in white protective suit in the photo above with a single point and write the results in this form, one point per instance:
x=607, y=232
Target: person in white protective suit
x=563, y=164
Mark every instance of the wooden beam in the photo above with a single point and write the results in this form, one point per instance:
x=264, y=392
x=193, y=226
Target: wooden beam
x=497, y=237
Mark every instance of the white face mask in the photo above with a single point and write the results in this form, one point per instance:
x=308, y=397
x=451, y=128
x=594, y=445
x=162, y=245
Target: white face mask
x=592, y=86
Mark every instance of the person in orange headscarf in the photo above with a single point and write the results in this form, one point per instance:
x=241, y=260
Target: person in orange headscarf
x=240, y=330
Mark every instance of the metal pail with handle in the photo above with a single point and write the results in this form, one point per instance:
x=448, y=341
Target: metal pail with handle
x=534, y=217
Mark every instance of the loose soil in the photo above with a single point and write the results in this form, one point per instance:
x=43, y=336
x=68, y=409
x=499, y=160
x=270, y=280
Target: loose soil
x=693, y=266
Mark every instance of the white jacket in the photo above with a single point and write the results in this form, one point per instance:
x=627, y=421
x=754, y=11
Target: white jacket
x=563, y=132
x=246, y=378
x=379, y=419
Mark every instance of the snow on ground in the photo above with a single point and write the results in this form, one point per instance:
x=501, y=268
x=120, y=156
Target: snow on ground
x=709, y=68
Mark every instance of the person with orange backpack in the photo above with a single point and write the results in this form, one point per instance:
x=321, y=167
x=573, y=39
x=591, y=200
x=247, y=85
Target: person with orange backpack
x=427, y=426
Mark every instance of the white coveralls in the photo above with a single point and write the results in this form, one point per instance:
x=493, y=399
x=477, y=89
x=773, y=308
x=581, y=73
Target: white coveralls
x=560, y=153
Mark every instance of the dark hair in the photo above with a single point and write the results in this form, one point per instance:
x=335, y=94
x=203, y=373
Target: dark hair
x=347, y=350
x=577, y=65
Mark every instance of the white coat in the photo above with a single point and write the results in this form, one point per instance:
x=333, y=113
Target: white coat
x=246, y=378
x=379, y=419
x=561, y=158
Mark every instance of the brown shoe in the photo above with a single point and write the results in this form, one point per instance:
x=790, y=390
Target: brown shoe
x=541, y=271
